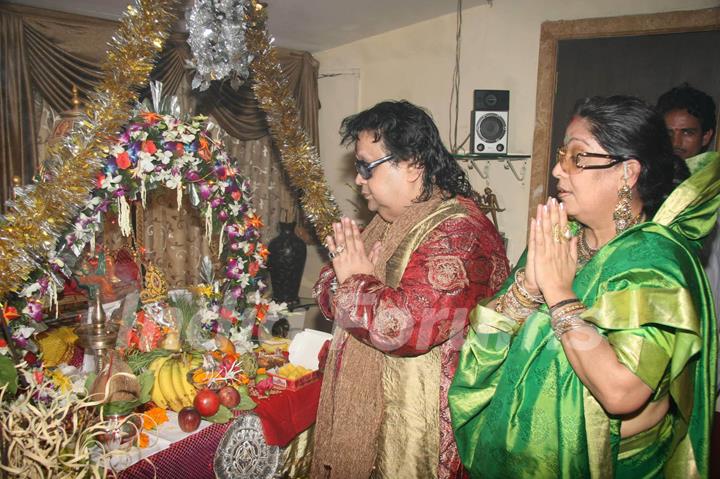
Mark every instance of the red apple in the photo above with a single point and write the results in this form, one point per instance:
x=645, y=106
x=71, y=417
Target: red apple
x=229, y=397
x=188, y=419
x=207, y=402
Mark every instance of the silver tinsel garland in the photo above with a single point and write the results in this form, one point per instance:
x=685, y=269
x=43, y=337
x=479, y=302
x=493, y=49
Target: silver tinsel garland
x=216, y=31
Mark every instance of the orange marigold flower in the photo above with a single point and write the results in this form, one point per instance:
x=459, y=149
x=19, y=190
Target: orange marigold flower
x=261, y=371
x=154, y=417
x=143, y=440
x=10, y=313
x=256, y=222
x=200, y=377
x=150, y=117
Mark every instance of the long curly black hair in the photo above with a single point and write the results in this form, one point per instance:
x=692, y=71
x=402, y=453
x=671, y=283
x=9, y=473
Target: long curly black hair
x=409, y=133
x=627, y=126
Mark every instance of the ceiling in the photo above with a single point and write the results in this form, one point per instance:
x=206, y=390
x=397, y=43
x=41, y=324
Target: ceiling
x=311, y=25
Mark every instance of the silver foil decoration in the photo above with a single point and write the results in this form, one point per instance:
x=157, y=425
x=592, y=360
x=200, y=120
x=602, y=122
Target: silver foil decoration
x=216, y=35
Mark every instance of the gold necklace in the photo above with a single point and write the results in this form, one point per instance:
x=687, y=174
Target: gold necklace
x=585, y=252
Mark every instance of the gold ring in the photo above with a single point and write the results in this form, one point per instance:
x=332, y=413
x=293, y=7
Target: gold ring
x=339, y=249
x=557, y=234
x=567, y=234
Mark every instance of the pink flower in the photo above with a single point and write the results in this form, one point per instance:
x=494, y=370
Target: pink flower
x=33, y=310
x=264, y=386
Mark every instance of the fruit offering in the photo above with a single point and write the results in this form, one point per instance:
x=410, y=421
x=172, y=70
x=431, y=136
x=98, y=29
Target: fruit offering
x=293, y=371
x=229, y=397
x=207, y=402
x=189, y=419
x=171, y=388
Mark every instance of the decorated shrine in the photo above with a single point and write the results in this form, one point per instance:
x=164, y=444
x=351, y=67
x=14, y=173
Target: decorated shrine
x=112, y=367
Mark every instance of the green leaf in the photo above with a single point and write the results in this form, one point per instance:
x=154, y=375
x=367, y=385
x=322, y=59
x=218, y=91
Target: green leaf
x=245, y=404
x=8, y=374
x=221, y=417
x=146, y=381
x=121, y=408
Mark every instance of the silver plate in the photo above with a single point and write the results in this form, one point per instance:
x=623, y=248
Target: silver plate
x=243, y=452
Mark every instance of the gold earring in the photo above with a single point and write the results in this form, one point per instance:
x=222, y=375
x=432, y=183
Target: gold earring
x=622, y=215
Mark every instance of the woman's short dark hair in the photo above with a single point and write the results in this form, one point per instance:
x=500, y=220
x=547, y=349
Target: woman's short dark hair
x=627, y=126
x=408, y=132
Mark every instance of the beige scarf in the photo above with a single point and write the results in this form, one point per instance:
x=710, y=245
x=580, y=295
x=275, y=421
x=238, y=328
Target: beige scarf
x=351, y=401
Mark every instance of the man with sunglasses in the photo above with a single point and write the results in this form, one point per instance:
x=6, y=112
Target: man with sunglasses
x=400, y=293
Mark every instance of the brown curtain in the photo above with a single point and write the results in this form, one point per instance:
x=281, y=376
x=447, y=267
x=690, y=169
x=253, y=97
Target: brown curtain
x=48, y=52
x=17, y=122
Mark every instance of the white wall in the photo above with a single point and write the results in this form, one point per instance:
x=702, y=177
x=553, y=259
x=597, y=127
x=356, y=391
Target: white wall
x=499, y=51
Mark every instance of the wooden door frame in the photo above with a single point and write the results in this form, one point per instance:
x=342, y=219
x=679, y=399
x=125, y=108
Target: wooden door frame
x=552, y=32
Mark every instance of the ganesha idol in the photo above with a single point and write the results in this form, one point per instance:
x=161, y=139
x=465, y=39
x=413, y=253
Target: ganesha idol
x=156, y=324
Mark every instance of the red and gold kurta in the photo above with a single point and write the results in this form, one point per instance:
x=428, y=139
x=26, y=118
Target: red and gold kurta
x=417, y=318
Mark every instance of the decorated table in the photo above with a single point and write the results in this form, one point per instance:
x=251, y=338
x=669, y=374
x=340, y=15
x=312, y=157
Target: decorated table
x=283, y=417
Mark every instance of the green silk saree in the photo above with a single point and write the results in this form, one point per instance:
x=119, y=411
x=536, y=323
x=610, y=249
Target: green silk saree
x=519, y=410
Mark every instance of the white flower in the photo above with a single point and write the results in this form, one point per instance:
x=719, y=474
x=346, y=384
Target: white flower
x=145, y=162
x=173, y=182
x=76, y=376
x=30, y=290
x=207, y=316
x=110, y=182
x=275, y=308
x=241, y=339
x=25, y=332
x=164, y=156
x=235, y=208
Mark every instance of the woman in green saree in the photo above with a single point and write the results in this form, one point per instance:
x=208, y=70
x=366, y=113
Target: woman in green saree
x=597, y=358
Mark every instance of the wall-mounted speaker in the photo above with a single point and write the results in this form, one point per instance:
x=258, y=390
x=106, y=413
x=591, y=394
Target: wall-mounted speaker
x=489, y=121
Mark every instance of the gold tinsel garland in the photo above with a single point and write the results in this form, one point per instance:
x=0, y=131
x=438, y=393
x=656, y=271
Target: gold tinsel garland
x=298, y=156
x=43, y=211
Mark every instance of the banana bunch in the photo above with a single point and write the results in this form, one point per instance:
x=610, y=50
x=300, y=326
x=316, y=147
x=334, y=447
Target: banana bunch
x=171, y=389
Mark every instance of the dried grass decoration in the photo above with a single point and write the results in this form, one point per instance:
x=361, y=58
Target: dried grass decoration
x=47, y=433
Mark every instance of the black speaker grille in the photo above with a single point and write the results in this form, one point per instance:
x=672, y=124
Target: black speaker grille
x=491, y=128
x=491, y=100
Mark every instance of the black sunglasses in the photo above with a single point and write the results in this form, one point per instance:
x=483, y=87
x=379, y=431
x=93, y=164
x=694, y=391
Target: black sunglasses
x=365, y=169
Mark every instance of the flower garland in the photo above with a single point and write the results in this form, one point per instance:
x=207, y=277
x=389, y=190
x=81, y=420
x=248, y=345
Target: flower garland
x=160, y=150
x=31, y=235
